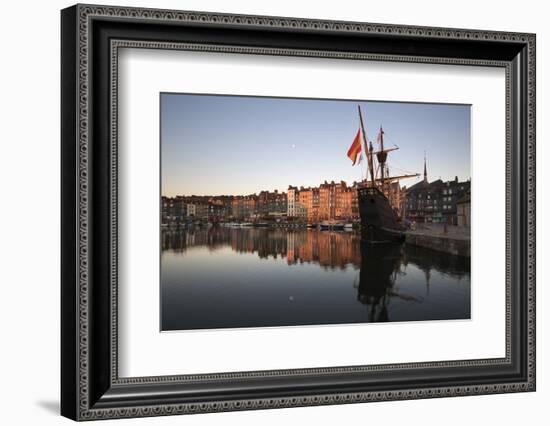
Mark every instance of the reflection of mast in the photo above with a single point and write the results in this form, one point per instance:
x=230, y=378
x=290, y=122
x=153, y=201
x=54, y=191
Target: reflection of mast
x=377, y=278
x=378, y=274
x=428, y=275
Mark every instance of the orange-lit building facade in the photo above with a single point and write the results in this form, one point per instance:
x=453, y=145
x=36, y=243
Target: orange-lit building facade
x=329, y=201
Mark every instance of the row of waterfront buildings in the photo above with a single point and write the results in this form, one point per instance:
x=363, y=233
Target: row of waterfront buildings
x=328, y=201
x=424, y=202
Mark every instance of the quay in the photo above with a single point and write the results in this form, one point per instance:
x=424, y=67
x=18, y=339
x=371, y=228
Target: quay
x=449, y=239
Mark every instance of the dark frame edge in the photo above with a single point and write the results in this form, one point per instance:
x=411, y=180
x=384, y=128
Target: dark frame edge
x=523, y=199
x=69, y=188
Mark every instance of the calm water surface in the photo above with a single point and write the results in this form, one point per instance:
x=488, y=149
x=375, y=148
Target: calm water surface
x=247, y=277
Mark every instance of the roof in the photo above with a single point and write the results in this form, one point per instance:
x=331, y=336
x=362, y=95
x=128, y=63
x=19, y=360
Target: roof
x=422, y=186
x=436, y=185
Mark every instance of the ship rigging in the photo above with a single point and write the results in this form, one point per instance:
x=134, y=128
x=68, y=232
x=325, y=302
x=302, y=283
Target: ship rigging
x=378, y=202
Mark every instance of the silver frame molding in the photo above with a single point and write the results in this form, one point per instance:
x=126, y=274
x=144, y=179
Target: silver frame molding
x=91, y=39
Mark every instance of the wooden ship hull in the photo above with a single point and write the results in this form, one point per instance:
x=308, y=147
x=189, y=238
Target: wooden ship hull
x=379, y=221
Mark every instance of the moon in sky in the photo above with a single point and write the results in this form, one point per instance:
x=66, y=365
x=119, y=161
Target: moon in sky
x=293, y=145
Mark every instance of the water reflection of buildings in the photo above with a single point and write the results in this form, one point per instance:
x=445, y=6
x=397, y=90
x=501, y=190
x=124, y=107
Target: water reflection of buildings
x=379, y=267
x=328, y=249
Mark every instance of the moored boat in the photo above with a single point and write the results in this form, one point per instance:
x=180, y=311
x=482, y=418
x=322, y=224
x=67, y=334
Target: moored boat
x=332, y=225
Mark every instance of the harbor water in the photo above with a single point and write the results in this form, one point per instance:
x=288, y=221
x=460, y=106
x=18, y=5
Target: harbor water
x=221, y=277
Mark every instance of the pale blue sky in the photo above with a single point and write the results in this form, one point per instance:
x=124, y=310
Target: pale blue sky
x=236, y=145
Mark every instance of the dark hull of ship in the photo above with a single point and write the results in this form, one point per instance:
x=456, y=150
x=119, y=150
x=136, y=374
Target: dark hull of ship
x=379, y=222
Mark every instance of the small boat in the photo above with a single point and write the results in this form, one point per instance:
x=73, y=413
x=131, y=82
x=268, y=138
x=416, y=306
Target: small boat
x=331, y=225
x=246, y=224
x=232, y=224
x=311, y=225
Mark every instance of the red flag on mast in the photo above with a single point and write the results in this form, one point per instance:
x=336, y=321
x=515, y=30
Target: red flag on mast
x=355, y=148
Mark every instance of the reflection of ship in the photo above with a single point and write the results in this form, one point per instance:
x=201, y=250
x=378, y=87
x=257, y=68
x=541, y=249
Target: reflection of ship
x=377, y=202
x=379, y=266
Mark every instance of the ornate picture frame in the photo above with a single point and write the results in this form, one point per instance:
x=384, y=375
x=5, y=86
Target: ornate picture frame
x=91, y=37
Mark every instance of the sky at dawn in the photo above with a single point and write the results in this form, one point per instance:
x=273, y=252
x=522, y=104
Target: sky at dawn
x=239, y=145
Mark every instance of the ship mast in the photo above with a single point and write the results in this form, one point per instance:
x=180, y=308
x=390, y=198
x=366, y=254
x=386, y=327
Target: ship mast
x=396, y=178
x=367, y=154
x=381, y=156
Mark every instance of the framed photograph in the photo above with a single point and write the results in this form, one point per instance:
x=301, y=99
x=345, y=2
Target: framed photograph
x=263, y=212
